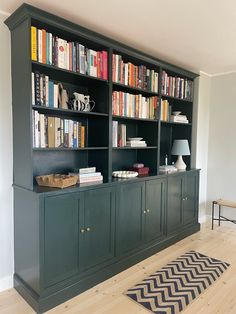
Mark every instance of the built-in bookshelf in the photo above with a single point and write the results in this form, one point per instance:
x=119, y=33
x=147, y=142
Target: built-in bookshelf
x=125, y=87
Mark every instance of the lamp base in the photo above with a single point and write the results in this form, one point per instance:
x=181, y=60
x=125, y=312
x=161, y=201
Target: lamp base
x=180, y=164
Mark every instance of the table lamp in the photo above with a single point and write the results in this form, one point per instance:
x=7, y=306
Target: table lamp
x=180, y=148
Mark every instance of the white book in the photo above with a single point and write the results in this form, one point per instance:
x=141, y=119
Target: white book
x=61, y=53
x=136, y=145
x=33, y=88
x=71, y=130
x=55, y=96
x=57, y=132
x=40, y=58
x=114, y=133
x=156, y=82
x=47, y=91
x=91, y=179
x=42, y=131
x=82, y=69
x=36, y=126
x=88, y=175
x=67, y=55
x=126, y=74
x=87, y=170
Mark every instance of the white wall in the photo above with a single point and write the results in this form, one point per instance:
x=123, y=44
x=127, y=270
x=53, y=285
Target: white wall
x=200, y=135
x=6, y=211
x=222, y=139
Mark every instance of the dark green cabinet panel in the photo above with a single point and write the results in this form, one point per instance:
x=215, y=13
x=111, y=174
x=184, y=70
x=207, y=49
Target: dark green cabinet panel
x=154, y=209
x=98, y=238
x=61, y=224
x=190, y=202
x=174, y=203
x=130, y=205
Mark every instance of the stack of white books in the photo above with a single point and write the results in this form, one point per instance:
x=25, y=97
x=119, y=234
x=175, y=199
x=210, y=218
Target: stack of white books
x=136, y=142
x=88, y=175
x=179, y=118
x=167, y=169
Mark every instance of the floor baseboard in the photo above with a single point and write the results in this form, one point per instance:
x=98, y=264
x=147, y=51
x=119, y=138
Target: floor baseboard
x=6, y=283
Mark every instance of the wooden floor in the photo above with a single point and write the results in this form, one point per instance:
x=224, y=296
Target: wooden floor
x=108, y=298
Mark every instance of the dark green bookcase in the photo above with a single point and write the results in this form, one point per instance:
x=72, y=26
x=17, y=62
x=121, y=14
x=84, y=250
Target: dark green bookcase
x=68, y=240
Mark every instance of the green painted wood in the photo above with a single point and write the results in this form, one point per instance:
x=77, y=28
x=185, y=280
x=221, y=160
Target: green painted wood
x=190, y=204
x=155, y=206
x=174, y=203
x=130, y=200
x=98, y=238
x=61, y=234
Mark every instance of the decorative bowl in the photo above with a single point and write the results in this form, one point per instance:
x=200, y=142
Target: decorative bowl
x=124, y=174
x=176, y=113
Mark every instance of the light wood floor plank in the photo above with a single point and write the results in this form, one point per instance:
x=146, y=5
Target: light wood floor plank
x=108, y=297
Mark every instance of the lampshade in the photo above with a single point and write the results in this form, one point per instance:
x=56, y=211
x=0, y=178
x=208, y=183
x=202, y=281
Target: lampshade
x=180, y=147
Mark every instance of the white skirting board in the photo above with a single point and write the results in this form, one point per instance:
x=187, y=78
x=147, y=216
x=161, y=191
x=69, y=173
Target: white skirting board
x=6, y=283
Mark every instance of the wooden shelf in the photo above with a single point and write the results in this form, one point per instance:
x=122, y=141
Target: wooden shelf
x=56, y=68
x=135, y=119
x=49, y=110
x=68, y=149
x=175, y=123
x=176, y=98
x=134, y=89
x=126, y=147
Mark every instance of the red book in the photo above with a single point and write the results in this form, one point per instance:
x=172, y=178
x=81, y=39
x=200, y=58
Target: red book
x=70, y=56
x=141, y=171
x=99, y=61
x=104, y=64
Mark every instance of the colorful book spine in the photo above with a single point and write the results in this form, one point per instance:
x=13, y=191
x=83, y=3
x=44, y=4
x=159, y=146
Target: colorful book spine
x=33, y=43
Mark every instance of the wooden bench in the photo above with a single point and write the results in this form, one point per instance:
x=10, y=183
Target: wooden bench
x=220, y=202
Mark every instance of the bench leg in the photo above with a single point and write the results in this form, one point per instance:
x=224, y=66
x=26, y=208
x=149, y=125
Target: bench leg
x=219, y=215
x=212, y=216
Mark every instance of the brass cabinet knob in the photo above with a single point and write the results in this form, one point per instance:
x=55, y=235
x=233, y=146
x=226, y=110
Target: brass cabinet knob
x=148, y=210
x=82, y=230
x=144, y=211
x=88, y=229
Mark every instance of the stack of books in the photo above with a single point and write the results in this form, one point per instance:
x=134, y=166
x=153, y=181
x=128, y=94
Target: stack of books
x=134, y=106
x=167, y=169
x=88, y=175
x=141, y=169
x=179, y=118
x=138, y=76
x=73, y=56
x=136, y=142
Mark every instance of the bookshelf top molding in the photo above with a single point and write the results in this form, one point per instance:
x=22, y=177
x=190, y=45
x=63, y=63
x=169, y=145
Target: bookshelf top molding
x=26, y=11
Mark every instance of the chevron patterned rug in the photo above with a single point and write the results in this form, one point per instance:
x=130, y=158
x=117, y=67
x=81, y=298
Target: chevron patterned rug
x=173, y=287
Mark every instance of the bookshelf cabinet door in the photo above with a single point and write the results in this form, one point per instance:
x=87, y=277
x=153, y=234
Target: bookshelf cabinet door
x=154, y=209
x=190, y=203
x=174, y=203
x=130, y=204
x=98, y=238
x=61, y=230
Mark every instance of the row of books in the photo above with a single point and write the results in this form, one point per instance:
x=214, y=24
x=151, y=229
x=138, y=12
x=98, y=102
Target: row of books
x=52, y=132
x=118, y=134
x=134, y=106
x=44, y=91
x=177, y=87
x=70, y=55
x=138, y=76
x=88, y=175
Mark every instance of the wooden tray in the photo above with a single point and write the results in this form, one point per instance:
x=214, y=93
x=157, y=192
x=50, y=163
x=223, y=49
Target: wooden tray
x=57, y=180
